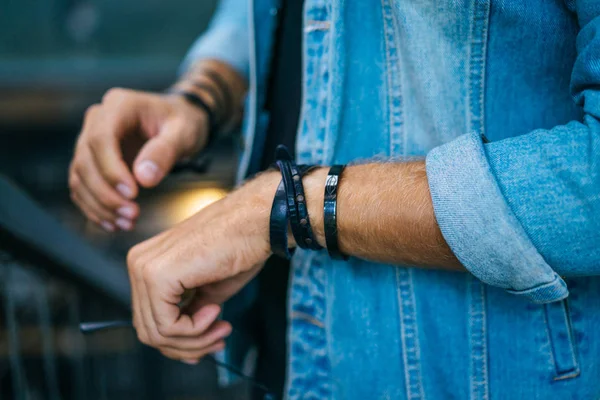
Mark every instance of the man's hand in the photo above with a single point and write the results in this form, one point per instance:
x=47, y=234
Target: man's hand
x=132, y=138
x=216, y=252
x=384, y=214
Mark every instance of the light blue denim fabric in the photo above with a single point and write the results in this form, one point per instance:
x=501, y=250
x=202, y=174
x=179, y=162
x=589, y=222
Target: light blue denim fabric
x=503, y=99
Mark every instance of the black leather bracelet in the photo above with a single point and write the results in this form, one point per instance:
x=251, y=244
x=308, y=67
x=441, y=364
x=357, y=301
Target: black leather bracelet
x=217, y=97
x=302, y=229
x=296, y=201
x=330, y=212
x=279, y=220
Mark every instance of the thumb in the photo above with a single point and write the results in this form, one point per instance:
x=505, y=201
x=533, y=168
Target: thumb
x=158, y=155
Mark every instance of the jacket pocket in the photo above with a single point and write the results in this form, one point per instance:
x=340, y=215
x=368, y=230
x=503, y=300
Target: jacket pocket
x=562, y=342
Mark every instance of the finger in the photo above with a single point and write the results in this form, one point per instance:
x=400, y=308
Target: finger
x=104, y=194
x=169, y=320
x=137, y=318
x=142, y=277
x=105, y=131
x=75, y=187
x=161, y=152
x=219, y=330
x=92, y=204
x=145, y=312
x=193, y=357
x=91, y=215
x=86, y=211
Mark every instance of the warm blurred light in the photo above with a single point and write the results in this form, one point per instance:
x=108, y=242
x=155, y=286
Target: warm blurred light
x=189, y=203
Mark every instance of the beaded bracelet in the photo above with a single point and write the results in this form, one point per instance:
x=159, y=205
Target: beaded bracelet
x=220, y=83
x=217, y=98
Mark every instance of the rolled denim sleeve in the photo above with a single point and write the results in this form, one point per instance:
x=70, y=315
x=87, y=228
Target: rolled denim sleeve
x=522, y=212
x=227, y=38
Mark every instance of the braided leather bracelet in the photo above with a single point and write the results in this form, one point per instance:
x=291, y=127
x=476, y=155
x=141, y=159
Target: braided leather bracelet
x=290, y=194
x=220, y=83
x=279, y=221
x=301, y=228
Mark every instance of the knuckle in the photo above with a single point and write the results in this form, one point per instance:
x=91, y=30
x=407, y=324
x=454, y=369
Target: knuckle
x=80, y=144
x=110, y=176
x=150, y=272
x=74, y=182
x=106, y=171
x=164, y=330
x=156, y=340
x=91, y=111
x=142, y=337
x=96, y=138
x=115, y=94
x=133, y=256
x=75, y=166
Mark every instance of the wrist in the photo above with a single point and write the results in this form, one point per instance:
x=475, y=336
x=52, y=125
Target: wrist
x=195, y=116
x=220, y=87
x=264, y=187
x=258, y=194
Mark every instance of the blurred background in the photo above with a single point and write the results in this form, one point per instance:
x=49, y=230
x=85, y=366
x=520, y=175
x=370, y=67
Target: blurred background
x=57, y=57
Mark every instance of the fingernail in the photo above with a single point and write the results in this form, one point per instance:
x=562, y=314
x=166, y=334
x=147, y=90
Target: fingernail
x=224, y=332
x=190, y=362
x=107, y=226
x=124, y=224
x=148, y=170
x=127, y=212
x=125, y=190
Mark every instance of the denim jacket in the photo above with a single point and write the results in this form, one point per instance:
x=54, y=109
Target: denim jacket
x=502, y=97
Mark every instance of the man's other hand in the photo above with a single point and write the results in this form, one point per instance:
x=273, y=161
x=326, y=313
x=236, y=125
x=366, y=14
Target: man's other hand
x=214, y=254
x=132, y=138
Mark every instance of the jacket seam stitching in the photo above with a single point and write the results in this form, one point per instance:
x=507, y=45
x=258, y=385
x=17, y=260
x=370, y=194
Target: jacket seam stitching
x=479, y=385
x=477, y=59
x=478, y=340
x=411, y=352
x=396, y=131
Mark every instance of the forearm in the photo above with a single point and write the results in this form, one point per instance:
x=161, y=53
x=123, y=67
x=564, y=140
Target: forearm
x=385, y=214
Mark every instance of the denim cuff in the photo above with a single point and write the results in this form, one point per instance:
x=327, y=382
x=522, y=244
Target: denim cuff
x=480, y=227
x=226, y=43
